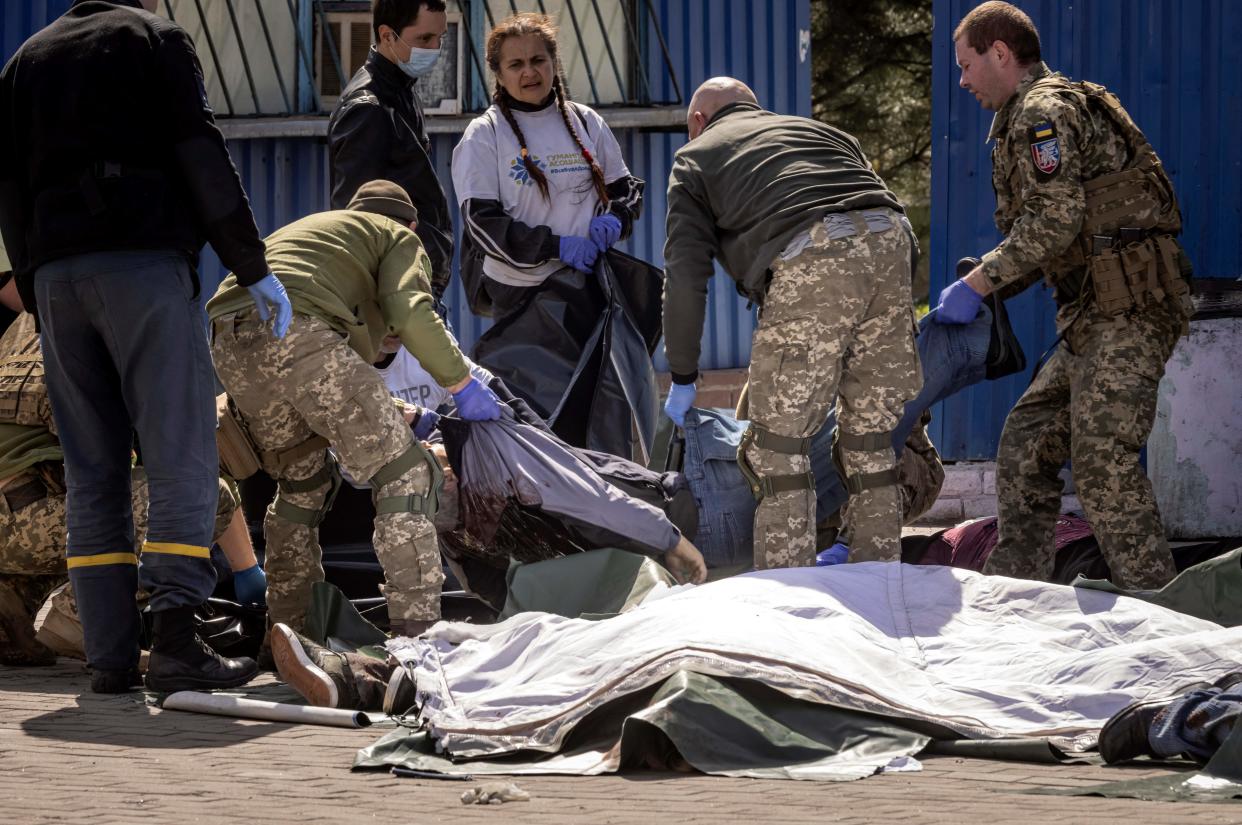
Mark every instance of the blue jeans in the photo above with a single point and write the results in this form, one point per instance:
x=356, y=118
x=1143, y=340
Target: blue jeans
x=725, y=535
x=953, y=357
x=1197, y=723
x=125, y=347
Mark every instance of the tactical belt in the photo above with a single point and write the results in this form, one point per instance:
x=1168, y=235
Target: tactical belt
x=19, y=496
x=1135, y=269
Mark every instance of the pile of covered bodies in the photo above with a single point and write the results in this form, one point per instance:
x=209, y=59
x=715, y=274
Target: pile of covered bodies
x=981, y=657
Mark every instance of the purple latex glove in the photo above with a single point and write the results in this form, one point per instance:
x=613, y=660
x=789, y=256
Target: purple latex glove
x=476, y=402
x=605, y=230
x=836, y=554
x=269, y=294
x=680, y=399
x=959, y=304
x=426, y=424
x=579, y=252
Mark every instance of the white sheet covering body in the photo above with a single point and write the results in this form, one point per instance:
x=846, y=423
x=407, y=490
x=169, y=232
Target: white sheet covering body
x=985, y=656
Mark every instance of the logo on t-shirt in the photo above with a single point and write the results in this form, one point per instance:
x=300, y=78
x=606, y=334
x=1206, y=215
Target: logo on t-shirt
x=519, y=173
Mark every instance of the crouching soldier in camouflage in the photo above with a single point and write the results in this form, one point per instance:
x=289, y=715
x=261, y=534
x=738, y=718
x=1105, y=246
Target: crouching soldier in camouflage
x=354, y=276
x=797, y=217
x=1083, y=201
x=33, y=531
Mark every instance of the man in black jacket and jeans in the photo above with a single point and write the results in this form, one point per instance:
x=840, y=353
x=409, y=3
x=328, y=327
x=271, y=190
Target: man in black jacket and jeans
x=377, y=133
x=112, y=176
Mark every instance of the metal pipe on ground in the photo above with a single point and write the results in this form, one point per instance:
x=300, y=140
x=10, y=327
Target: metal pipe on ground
x=237, y=707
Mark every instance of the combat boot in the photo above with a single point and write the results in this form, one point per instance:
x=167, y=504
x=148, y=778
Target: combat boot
x=322, y=677
x=180, y=660
x=19, y=647
x=1125, y=735
x=115, y=681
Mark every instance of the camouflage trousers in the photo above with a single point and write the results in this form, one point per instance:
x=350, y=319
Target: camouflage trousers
x=837, y=323
x=1093, y=403
x=312, y=383
x=34, y=540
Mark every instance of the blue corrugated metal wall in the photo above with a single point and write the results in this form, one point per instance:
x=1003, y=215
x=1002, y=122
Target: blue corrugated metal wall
x=757, y=42
x=1171, y=64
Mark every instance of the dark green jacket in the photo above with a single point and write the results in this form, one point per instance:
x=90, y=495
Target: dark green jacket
x=739, y=193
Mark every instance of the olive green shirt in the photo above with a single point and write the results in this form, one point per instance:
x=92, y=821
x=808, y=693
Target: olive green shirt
x=23, y=447
x=365, y=275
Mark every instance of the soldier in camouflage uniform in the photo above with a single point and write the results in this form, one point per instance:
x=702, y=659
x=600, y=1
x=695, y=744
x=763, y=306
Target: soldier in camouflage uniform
x=33, y=533
x=1083, y=201
x=355, y=277
x=813, y=236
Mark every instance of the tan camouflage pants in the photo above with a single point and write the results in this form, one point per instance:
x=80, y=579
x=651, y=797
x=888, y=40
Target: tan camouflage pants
x=837, y=323
x=312, y=383
x=33, y=542
x=1093, y=403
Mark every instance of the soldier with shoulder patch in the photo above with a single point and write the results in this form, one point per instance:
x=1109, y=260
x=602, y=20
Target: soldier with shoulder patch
x=1083, y=202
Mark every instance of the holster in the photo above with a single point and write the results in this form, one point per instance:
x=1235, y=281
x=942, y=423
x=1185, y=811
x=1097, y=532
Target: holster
x=237, y=454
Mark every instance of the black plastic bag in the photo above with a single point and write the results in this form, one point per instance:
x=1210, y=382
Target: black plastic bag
x=578, y=351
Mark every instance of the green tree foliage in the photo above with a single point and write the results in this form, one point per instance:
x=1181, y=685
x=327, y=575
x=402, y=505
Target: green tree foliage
x=871, y=76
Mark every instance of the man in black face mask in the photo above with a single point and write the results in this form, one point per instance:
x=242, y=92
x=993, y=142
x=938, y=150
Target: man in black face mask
x=377, y=132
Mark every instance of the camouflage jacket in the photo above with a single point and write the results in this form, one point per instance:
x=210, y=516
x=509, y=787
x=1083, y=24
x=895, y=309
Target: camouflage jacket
x=1048, y=142
x=22, y=445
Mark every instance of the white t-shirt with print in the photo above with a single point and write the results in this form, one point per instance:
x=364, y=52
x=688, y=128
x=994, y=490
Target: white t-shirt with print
x=487, y=164
x=407, y=380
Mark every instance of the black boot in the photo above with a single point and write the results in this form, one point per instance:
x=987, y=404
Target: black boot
x=115, y=681
x=180, y=660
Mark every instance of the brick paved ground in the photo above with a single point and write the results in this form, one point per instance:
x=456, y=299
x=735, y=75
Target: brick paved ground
x=67, y=755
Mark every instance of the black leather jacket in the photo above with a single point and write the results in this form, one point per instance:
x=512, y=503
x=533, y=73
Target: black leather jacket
x=376, y=132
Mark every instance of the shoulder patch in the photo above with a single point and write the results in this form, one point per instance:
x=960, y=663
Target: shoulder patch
x=1045, y=150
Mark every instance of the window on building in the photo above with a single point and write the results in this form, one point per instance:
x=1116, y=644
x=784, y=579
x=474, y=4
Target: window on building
x=283, y=57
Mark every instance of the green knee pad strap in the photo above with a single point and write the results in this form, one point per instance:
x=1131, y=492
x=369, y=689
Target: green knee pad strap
x=306, y=516
x=412, y=503
x=869, y=443
x=858, y=482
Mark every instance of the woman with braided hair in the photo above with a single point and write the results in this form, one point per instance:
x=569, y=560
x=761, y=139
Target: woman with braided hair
x=544, y=192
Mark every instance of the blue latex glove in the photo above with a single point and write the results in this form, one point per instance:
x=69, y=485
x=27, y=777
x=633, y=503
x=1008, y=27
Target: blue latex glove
x=680, y=400
x=579, y=252
x=836, y=554
x=269, y=294
x=476, y=402
x=959, y=304
x=605, y=230
x=250, y=585
x=426, y=424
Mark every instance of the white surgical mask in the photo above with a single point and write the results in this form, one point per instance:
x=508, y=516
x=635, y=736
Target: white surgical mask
x=419, y=62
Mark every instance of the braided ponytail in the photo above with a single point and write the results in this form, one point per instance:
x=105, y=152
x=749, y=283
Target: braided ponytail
x=501, y=99
x=597, y=174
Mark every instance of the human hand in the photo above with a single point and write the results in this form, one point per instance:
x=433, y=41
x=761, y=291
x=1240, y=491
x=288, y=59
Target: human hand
x=250, y=585
x=836, y=554
x=476, y=402
x=959, y=303
x=605, y=230
x=680, y=400
x=579, y=252
x=686, y=563
x=428, y=420
x=268, y=295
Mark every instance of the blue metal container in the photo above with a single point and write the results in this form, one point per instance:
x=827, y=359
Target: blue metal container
x=1171, y=63
x=765, y=44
